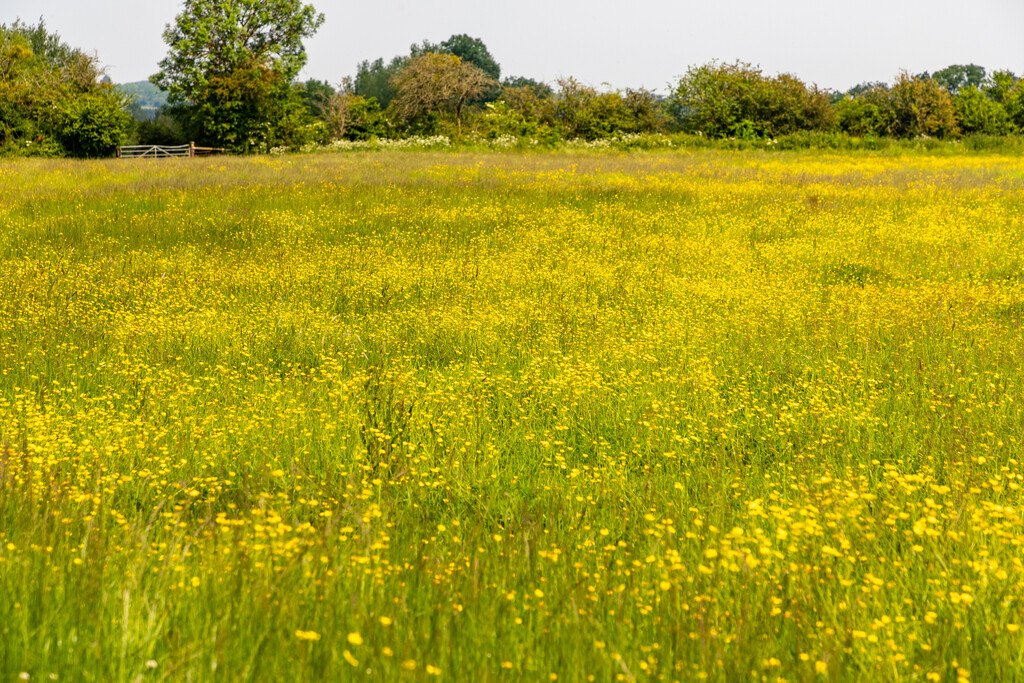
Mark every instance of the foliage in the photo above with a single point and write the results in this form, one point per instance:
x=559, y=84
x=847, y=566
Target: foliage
x=862, y=88
x=575, y=108
x=474, y=51
x=499, y=119
x=249, y=109
x=912, y=107
x=313, y=93
x=978, y=113
x=580, y=111
x=162, y=129
x=530, y=102
x=439, y=84
x=230, y=65
x=723, y=100
x=374, y=79
x=1014, y=104
x=469, y=50
x=958, y=76
x=353, y=117
x=1002, y=83
x=366, y=120
x=920, y=106
x=541, y=90
x=92, y=125
x=864, y=114
x=647, y=111
x=54, y=99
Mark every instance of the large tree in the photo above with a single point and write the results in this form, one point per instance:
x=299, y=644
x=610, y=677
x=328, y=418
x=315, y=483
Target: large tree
x=466, y=48
x=438, y=83
x=230, y=66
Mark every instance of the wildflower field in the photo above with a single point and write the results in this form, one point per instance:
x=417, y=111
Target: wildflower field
x=502, y=416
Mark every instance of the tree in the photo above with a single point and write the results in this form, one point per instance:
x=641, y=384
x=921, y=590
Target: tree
x=92, y=125
x=722, y=100
x=471, y=51
x=1013, y=101
x=230, y=65
x=437, y=83
x=920, y=106
x=532, y=104
x=373, y=79
x=957, y=76
x=1001, y=83
x=865, y=113
x=353, y=117
x=55, y=99
x=241, y=109
x=474, y=51
x=583, y=112
x=541, y=90
x=314, y=93
x=864, y=87
x=978, y=113
x=912, y=107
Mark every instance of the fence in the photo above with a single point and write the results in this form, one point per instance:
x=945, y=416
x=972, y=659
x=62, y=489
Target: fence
x=165, y=151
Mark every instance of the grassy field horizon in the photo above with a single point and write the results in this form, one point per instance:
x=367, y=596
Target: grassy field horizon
x=502, y=416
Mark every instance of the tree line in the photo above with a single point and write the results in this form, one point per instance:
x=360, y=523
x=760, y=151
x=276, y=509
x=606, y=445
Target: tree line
x=231, y=81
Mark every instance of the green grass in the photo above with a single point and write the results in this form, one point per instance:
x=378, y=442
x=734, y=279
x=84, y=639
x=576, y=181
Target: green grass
x=599, y=416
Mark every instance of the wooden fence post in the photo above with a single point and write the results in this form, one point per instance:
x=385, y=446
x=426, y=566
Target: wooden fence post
x=191, y=149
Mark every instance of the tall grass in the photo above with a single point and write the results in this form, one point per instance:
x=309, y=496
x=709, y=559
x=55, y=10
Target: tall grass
x=680, y=416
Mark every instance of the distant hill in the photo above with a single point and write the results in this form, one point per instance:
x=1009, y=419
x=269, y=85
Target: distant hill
x=145, y=94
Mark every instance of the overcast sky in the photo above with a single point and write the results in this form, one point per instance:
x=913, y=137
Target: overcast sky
x=834, y=43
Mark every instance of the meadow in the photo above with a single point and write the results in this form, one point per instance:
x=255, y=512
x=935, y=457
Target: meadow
x=577, y=416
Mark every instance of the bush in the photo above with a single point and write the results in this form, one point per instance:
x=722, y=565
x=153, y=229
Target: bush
x=913, y=107
x=1013, y=102
x=865, y=114
x=53, y=99
x=580, y=111
x=737, y=100
x=920, y=107
x=499, y=120
x=92, y=125
x=978, y=113
x=366, y=120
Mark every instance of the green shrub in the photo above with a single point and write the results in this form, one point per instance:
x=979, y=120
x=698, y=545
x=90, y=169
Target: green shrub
x=862, y=116
x=737, y=100
x=366, y=120
x=499, y=119
x=1013, y=102
x=978, y=113
x=92, y=125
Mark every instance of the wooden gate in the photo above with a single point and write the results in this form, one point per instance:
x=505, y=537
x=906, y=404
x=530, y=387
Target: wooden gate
x=165, y=151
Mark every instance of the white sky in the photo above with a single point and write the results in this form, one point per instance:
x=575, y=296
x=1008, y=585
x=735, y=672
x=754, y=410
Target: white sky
x=834, y=43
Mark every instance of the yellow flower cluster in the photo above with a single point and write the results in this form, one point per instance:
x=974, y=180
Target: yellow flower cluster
x=604, y=417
